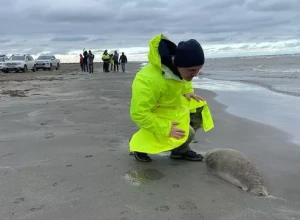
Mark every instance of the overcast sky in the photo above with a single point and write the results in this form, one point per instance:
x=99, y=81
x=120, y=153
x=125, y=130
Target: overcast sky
x=223, y=27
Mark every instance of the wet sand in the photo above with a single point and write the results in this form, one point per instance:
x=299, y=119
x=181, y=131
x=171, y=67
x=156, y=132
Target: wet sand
x=64, y=155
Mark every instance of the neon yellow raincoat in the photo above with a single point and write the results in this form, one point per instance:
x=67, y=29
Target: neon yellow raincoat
x=157, y=101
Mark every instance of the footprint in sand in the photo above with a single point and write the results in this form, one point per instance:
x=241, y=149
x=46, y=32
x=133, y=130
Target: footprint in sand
x=194, y=216
x=36, y=208
x=49, y=135
x=187, y=205
x=19, y=200
x=55, y=184
x=175, y=186
x=163, y=208
x=77, y=189
x=45, y=123
x=6, y=155
x=67, y=112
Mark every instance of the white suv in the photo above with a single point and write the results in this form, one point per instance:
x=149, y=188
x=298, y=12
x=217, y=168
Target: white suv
x=3, y=58
x=19, y=62
x=47, y=62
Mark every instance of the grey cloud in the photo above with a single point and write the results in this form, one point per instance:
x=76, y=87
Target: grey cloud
x=244, y=47
x=43, y=45
x=264, y=47
x=226, y=48
x=66, y=17
x=99, y=39
x=98, y=51
x=295, y=44
x=272, y=5
x=218, y=39
x=4, y=40
x=13, y=45
x=215, y=4
x=76, y=24
x=58, y=50
x=151, y=3
x=69, y=39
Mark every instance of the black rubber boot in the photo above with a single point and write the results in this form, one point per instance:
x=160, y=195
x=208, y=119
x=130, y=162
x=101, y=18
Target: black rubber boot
x=189, y=155
x=142, y=157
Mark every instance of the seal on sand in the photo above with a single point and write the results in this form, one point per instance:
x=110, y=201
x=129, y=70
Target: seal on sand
x=234, y=167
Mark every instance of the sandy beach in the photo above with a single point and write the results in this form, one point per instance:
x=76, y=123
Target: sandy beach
x=64, y=156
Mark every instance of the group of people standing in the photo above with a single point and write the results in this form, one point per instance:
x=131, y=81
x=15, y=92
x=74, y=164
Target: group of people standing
x=110, y=61
x=87, y=61
x=113, y=61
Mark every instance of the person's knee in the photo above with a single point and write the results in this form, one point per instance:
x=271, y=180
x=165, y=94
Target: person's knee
x=196, y=119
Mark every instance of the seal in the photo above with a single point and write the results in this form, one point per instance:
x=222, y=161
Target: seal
x=234, y=167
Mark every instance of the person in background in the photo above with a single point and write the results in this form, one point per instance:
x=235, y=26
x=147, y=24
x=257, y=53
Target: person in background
x=81, y=62
x=163, y=102
x=106, y=60
x=85, y=61
x=116, y=61
x=91, y=61
x=111, y=61
x=123, y=61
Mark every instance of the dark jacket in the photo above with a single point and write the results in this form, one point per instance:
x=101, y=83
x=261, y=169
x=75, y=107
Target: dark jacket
x=85, y=56
x=91, y=58
x=116, y=57
x=123, y=59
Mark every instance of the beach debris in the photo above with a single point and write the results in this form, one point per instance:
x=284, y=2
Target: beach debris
x=49, y=135
x=15, y=93
x=36, y=208
x=56, y=183
x=6, y=155
x=175, y=186
x=19, y=200
x=163, y=208
x=77, y=189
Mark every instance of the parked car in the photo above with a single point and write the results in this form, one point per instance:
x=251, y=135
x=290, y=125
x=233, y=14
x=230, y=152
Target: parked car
x=19, y=62
x=47, y=62
x=3, y=58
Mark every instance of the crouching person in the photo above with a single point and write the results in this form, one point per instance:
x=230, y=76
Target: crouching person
x=163, y=102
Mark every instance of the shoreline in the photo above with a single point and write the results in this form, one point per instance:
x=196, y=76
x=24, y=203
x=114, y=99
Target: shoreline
x=257, y=104
x=257, y=83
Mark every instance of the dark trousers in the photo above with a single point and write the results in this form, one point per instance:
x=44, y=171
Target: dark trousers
x=195, y=124
x=116, y=66
x=91, y=67
x=81, y=66
x=106, y=66
x=85, y=67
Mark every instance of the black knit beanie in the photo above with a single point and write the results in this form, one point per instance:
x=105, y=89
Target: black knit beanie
x=188, y=54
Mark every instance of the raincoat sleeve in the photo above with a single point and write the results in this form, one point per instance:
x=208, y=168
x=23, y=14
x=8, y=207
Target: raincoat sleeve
x=188, y=88
x=145, y=95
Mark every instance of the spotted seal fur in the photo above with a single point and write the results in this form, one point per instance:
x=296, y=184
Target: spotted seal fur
x=234, y=167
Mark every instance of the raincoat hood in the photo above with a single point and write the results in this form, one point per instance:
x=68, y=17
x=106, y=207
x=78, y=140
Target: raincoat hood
x=161, y=51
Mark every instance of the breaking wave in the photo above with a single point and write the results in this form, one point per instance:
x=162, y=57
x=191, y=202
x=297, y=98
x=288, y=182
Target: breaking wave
x=273, y=70
x=143, y=64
